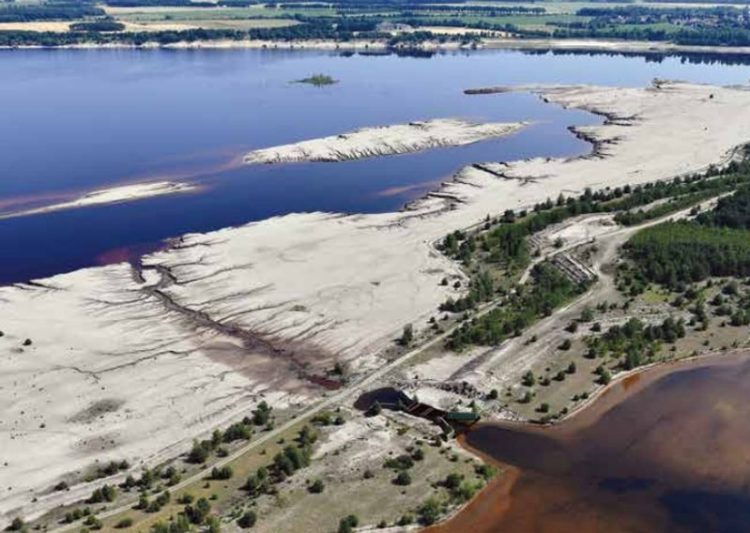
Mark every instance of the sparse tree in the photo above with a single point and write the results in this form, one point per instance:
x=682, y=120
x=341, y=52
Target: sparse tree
x=407, y=336
x=247, y=520
x=316, y=487
x=402, y=478
x=348, y=523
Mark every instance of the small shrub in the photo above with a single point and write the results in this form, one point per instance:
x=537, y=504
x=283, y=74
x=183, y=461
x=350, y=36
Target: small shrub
x=402, y=479
x=316, y=487
x=485, y=471
x=348, y=523
x=247, y=520
x=16, y=525
x=407, y=336
x=406, y=520
x=124, y=523
x=429, y=512
x=225, y=472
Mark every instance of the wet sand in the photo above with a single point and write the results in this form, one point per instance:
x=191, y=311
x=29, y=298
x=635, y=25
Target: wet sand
x=667, y=449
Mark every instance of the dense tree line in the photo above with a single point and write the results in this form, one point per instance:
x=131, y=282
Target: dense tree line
x=152, y=3
x=676, y=253
x=312, y=30
x=687, y=37
x=717, y=243
x=411, y=9
x=717, y=26
x=639, y=14
x=682, y=194
x=49, y=11
x=652, y=56
x=505, y=241
x=730, y=212
x=98, y=25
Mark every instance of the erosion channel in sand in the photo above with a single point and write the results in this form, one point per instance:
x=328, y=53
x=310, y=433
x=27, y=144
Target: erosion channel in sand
x=134, y=361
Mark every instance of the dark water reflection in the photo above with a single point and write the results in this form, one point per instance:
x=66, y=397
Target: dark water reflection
x=669, y=453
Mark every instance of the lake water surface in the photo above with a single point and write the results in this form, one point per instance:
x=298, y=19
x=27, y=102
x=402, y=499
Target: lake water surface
x=76, y=120
x=666, y=450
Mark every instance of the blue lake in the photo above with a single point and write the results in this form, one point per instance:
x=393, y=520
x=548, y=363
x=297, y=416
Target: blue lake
x=76, y=120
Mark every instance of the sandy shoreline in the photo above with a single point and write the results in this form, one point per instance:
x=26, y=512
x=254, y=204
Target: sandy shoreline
x=219, y=320
x=572, y=45
x=623, y=386
x=493, y=501
x=384, y=140
x=111, y=195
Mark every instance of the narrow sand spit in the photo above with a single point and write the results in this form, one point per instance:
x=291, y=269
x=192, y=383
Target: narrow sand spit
x=220, y=318
x=384, y=140
x=113, y=195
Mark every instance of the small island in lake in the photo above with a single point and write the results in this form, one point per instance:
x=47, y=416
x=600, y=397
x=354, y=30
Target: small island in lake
x=319, y=80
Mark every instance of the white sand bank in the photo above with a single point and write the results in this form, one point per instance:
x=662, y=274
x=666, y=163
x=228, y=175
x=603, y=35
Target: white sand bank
x=112, y=373
x=318, y=287
x=112, y=195
x=349, y=283
x=384, y=140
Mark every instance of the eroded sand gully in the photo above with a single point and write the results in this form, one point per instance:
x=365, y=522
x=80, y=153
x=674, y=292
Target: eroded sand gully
x=246, y=311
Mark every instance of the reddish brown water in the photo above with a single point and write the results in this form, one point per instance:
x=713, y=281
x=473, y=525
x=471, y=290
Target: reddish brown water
x=665, y=450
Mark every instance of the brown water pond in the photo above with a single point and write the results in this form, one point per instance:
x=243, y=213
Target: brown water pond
x=664, y=450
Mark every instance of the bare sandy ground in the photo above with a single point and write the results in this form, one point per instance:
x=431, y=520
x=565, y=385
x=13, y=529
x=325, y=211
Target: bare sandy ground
x=220, y=318
x=384, y=140
x=112, y=195
x=58, y=26
x=113, y=372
